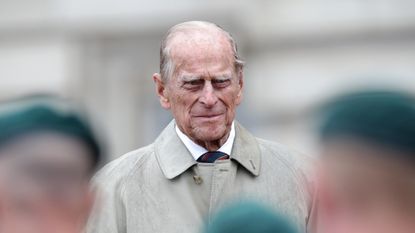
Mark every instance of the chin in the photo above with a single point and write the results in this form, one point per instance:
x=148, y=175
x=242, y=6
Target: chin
x=210, y=133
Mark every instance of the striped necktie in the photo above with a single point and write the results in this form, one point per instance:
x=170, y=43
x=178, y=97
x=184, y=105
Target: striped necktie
x=212, y=156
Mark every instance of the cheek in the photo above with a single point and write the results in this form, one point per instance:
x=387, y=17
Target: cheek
x=182, y=104
x=226, y=95
x=230, y=101
x=178, y=103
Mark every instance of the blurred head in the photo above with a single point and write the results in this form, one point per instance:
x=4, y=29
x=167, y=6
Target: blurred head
x=249, y=217
x=200, y=80
x=368, y=155
x=48, y=153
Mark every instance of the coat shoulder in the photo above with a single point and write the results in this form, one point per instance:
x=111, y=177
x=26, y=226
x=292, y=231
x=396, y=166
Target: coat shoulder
x=283, y=152
x=301, y=164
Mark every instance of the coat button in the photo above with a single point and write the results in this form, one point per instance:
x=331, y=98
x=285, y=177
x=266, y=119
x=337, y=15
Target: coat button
x=198, y=179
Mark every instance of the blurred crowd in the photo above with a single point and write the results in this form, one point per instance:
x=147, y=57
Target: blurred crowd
x=363, y=179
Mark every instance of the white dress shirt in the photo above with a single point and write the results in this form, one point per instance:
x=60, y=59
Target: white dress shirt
x=197, y=150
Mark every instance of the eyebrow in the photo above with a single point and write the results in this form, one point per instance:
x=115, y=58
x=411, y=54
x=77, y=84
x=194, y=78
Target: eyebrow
x=187, y=78
x=223, y=77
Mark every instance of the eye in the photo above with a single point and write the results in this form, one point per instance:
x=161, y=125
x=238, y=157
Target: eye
x=193, y=84
x=221, y=83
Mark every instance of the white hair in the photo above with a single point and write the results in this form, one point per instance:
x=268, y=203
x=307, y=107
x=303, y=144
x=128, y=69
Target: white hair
x=166, y=63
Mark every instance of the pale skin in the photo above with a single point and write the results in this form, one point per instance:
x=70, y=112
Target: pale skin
x=45, y=188
x=205, y=87
x=368, y=188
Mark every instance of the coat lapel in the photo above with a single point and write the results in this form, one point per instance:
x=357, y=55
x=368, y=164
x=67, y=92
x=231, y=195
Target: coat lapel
x=171, y=153
x=246, y=150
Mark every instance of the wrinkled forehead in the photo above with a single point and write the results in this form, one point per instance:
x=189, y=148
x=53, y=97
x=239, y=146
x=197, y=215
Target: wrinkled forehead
x=200, y=47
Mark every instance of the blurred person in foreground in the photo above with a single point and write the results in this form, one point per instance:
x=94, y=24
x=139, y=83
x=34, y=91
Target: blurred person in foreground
x=48, y=154
x=249, y=217
x=368, y=159
x=204, y=158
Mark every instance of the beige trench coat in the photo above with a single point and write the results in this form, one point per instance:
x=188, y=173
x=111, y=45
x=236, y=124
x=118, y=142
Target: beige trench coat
x=161, y=188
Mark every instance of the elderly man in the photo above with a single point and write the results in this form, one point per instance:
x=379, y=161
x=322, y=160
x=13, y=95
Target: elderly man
x=203, y=159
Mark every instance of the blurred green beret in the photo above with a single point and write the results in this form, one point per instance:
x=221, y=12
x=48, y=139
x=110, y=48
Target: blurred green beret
x=33, y=114
x=383, y=117
x=249, y=217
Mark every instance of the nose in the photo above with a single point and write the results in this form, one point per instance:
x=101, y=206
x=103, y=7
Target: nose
x=208, y=96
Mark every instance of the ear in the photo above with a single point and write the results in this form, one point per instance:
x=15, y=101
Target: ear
x=240, y=76
x=161, y=91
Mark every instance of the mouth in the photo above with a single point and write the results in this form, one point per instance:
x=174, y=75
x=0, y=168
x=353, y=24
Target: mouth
x=209, y=116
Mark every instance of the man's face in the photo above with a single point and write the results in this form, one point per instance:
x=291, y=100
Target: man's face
x=45, y=186
x=205, y=88
x=367, y=189
x=47, y=168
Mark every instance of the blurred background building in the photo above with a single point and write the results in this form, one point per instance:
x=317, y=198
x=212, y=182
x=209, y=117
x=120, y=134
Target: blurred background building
x=298, y=53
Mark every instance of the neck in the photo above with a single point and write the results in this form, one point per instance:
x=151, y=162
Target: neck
x=214, y=145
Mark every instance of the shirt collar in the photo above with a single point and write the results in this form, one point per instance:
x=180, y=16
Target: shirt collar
x=197, y=150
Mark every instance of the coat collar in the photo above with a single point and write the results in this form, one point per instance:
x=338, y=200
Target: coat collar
x=246, y=150
x=174, y=158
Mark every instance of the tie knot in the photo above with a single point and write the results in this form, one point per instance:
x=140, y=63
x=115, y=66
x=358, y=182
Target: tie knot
x=212, y=156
